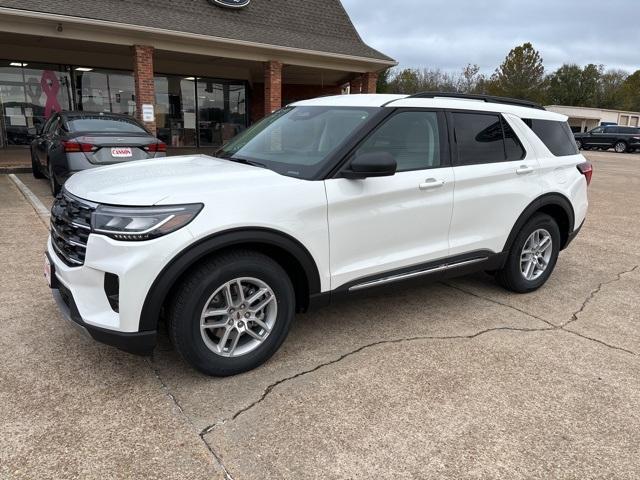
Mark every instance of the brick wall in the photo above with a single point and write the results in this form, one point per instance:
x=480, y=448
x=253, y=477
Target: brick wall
x=272, y=86
x=144, y=84
x=370, y=82
x=290, y=93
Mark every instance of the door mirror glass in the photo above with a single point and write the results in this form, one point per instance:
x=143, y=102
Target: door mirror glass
x=375, y=164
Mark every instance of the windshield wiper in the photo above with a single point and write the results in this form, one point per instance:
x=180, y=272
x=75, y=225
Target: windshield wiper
x=246, y=161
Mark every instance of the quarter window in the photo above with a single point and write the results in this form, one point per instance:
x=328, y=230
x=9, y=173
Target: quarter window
x=412, y=138
x=512, y=146
x=557, y=136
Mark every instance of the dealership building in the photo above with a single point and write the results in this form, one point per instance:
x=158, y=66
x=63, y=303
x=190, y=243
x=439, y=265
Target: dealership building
x=583, y=119
x=195, y=71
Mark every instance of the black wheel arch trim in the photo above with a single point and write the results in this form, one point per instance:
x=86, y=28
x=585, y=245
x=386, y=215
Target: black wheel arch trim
x=163, y=283
x=546, y=200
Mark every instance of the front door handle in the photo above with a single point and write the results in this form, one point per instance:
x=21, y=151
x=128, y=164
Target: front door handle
x=431, y=183
x=524, y=170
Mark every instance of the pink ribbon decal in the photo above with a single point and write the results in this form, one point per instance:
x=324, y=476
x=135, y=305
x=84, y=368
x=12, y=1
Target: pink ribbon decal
x=50, y=87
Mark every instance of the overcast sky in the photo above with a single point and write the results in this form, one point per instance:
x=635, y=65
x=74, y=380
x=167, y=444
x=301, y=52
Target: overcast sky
x=449, y=34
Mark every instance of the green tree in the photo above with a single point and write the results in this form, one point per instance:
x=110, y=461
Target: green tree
x=383, y=81
x=575, y=86
x=610, y=94
x=521, y=75
x=631, y=92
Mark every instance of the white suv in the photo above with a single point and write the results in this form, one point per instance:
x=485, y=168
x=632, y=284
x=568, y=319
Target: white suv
x=325, y=197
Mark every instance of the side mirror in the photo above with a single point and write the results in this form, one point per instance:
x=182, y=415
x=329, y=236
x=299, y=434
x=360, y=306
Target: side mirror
x=376, y=164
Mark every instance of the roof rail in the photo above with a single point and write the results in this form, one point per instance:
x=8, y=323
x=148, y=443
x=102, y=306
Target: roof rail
x=483, y=98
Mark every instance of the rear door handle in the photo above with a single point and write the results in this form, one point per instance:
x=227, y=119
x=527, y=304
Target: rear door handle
x=431, y=183
x=524, y=170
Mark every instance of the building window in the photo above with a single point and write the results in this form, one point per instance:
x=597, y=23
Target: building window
x=105, y=90
x=29, y=94
x=222, y=111
x=176, y=110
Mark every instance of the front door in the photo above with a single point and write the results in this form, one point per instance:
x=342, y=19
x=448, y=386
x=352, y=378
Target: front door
x=378, y=225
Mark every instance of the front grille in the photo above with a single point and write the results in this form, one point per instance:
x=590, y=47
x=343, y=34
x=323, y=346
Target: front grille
x=70, y=228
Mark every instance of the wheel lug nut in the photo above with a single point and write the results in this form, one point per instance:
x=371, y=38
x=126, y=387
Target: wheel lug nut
x=247, y=315
x=242, y=306
x=230, y=322
x=240, y=324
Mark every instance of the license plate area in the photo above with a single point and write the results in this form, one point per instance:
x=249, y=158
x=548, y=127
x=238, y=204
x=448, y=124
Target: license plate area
x=121, y=152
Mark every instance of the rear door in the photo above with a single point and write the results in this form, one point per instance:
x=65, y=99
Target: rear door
x=496, y=176
x=385, y=224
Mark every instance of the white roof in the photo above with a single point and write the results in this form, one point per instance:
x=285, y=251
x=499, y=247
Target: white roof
x=395, y=101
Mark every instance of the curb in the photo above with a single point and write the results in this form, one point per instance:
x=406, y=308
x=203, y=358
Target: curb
x=42, y=211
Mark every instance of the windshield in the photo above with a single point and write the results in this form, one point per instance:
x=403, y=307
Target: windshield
x=297, y=141
x=102, y=124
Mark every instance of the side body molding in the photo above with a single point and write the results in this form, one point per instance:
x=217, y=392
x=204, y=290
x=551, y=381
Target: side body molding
x=260, y=238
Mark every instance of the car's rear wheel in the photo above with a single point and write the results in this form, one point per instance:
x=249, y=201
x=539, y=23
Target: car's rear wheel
x=533, y=255
x=232, y=313
x=53, y=182
x=35, y=167
x=620, y=147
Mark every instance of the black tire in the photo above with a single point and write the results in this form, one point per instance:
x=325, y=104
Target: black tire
x=35, y=167
x=510, y=277
x=197, y=288
x=53, y=182
x=620, y=147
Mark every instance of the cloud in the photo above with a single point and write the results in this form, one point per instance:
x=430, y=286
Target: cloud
x=448, y=34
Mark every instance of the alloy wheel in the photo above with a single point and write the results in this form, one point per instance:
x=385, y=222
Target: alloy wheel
x=620, y=147
x=238, y=317
x=579, y=144
x=536, y=254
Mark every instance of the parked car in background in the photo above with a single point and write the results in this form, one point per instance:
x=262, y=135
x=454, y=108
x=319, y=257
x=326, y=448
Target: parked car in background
x=324, y=198
x=621, y=139
x=70, y=142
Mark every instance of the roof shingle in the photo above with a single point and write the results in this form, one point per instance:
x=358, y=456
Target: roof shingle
x=319, y=25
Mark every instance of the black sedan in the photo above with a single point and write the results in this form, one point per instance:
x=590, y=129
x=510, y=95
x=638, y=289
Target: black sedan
x=70, y=142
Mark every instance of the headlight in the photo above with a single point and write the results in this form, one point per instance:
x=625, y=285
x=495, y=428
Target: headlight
x=141, y=223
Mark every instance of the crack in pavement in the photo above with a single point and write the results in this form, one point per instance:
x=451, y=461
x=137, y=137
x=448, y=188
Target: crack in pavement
x=174, y=400
x=273, y=385
x=594, y=292
x=551, y=327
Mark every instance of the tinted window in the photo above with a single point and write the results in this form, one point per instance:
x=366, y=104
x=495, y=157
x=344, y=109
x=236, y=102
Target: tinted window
x=611, y=130
x=104, y=124
x=595, y=130
x=479, y=138
x=513, y=148
x=629, y=130
x=412, y=138
x=556, y=136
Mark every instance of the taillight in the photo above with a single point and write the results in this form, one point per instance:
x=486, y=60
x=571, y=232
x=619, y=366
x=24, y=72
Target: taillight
x=73, y=146
x=587, y=170
x=156, y=147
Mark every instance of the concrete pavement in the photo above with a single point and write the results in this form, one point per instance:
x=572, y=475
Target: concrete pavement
x=452, y=380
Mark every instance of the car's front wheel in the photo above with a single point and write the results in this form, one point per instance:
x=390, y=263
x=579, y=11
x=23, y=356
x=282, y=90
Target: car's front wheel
x=533, y=255
x=579, y=144
x=35, y=167
x=53, y=182
x=232, y=313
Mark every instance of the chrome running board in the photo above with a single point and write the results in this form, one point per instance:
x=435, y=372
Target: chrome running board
x=418, y=273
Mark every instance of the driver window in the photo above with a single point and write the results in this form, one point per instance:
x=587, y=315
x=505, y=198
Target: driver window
x=412, y=138
x=597, y=130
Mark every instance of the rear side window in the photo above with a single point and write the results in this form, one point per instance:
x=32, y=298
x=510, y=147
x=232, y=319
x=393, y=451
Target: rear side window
x=557, y=136
x=483, y=138
x=629, y=130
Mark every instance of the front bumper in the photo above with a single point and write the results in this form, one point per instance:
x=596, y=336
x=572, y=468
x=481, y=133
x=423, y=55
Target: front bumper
x=139, y=343
x=80, y=291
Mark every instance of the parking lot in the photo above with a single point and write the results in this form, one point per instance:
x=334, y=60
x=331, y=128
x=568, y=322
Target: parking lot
x=449, y=380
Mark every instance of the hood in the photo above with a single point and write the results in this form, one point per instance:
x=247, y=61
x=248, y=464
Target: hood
x=170, y=180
